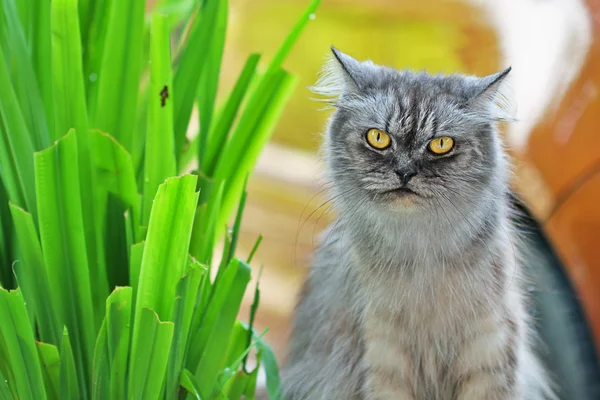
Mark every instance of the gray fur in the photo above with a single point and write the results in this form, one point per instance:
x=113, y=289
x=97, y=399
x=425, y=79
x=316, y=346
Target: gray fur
x=425, y=279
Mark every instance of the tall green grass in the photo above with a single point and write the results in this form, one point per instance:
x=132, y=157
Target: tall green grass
x=106, y=243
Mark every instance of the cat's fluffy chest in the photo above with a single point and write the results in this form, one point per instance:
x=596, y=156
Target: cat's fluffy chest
x=415, y=330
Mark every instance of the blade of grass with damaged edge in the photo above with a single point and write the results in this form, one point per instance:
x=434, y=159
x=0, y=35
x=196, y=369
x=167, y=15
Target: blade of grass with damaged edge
x=149, y=365
x=191, y=68
x=163, y=261
x=160, y=153
x=71, y=112
x=63, y=245
x=20, y=346
x=50, y=361
x=120, y=69
x=112, y=347
x=33, y=268
x=165, y=251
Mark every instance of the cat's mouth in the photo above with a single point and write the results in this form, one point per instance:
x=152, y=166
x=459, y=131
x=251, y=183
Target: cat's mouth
x=402, y=192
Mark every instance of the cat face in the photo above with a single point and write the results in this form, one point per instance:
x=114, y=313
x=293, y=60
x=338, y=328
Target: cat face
x=410, y=141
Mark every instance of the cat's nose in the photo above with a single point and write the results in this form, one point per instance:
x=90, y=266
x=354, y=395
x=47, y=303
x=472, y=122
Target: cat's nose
x=405, y=175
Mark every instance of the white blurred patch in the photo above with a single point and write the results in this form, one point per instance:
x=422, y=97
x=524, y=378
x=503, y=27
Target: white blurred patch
x=546, y=42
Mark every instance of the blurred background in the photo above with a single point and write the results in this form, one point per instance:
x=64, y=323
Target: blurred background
x=554, y=50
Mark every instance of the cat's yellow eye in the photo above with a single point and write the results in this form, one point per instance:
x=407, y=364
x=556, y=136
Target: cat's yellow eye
x=441, y=145
x=378, y=139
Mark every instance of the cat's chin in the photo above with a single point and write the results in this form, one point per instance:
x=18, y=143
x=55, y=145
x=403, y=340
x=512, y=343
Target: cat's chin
x=404, y=199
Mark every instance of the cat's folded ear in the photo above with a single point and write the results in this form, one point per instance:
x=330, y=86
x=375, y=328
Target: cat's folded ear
x=491, y=97
x=341, y=74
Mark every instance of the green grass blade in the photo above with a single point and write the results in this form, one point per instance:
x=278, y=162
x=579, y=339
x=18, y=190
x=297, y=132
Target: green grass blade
x=188, y=154
x=118, y=323
x=63, y=245
x=261, y=133
x=16, y=148
x=241, y=136
x=210, y=78
x=20, y=346
x=235, y=232
x=70, y=113
x=135, y=265
x=218, y=323
x=253, y=377
x=50, y=361
x=115, y=174
x=12, y=189
x=33, y=269
x=5, y=367
x=237, y=343
x=247, y=123
x=185, y=302
x=69, y=92
x=218, y=136
x=236, y=385
x=271, y=370
x=253, y=310
x=69, y=388
x=41, y=52
x=7, y=237
x=195, y=348
x=160, y=153
x=119, y=73
x=204, y=234
x=86, y=10
x=293, y=36
x=150, y=363
x=5, y=391
x=101, y=367
x=188, y=382
x=95, y=49
x=254, y=249
x=24, y=77
x=191, y=68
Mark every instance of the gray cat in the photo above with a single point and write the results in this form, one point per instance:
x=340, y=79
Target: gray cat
x=415, y=292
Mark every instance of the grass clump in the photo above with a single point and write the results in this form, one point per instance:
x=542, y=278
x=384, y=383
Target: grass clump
x=106, y=243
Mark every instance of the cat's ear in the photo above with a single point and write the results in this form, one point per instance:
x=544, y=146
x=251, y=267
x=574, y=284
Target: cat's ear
x=341, y=74
x=491, y=97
